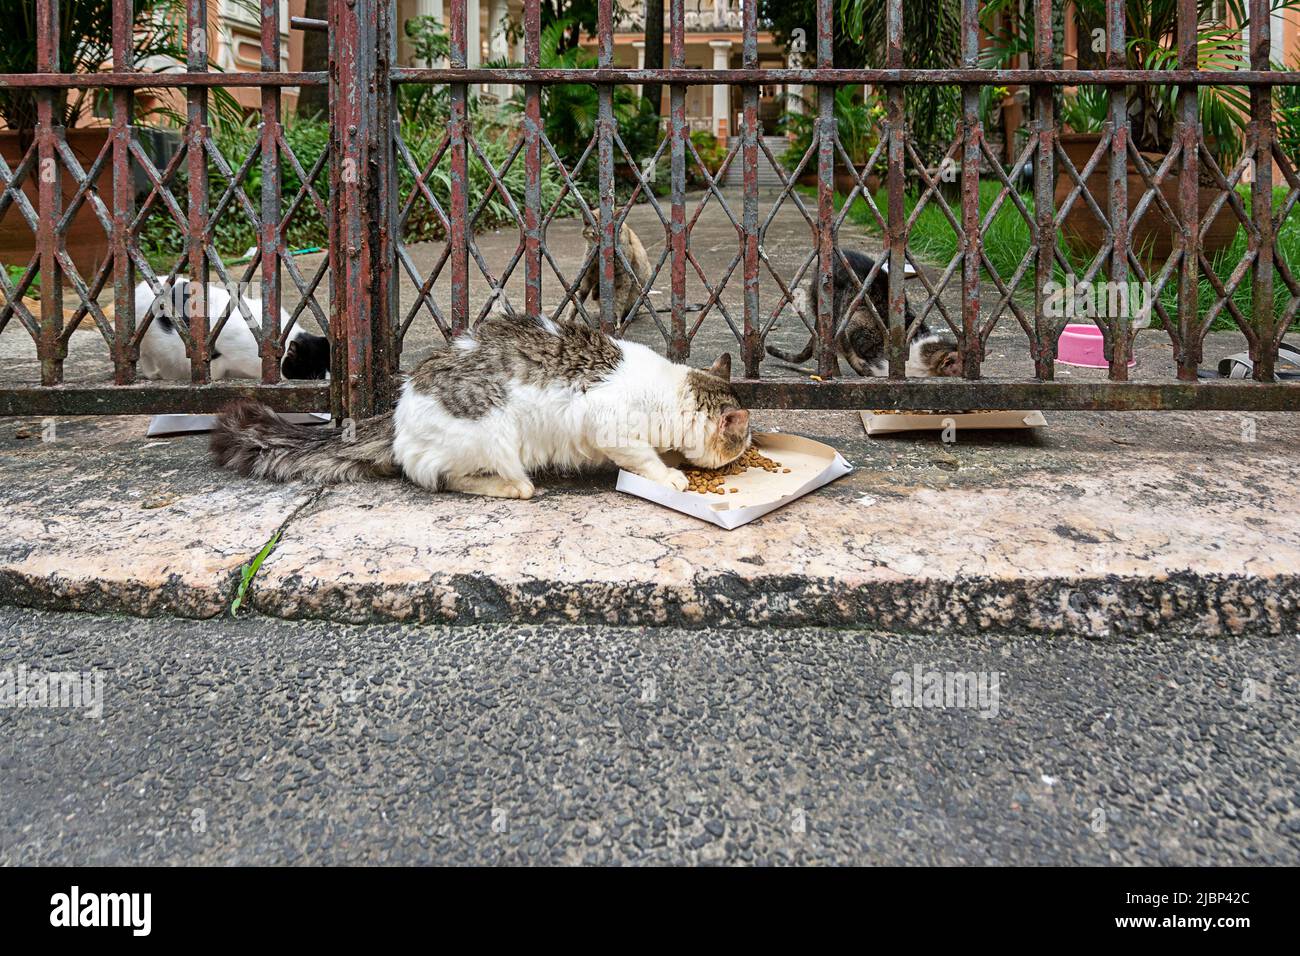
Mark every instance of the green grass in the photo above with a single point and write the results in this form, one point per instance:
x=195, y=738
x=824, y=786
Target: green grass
x=249, y=571
x=1008, y=238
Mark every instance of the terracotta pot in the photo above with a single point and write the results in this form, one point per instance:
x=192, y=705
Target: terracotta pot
x=845, y=180
x=1153, y=240
x=85, y=239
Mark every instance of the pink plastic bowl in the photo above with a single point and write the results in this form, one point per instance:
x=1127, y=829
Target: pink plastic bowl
x=1084, y=346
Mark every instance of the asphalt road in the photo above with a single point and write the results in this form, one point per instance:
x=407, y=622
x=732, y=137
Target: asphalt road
x=262, y=741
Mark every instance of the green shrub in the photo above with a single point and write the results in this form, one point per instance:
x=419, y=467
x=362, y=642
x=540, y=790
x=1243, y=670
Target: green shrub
x=163, y=240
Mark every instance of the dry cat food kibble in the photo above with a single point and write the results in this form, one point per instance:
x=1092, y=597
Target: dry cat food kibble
x=712, y=480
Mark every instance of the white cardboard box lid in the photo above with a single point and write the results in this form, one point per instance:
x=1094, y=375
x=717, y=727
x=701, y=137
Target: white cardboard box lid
x=883, y=423
x=812, y=464
x=187, y=424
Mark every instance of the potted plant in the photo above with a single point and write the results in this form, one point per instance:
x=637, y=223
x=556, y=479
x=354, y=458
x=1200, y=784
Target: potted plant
x=1151, y=33
x=857, y=120
x=85, y=45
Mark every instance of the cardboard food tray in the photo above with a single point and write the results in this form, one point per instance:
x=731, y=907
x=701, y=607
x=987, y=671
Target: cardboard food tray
x=811, y=465
x=884, y=423
x=188, y=424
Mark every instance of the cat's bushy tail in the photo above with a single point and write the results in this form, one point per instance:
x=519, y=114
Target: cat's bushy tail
x=256, y=442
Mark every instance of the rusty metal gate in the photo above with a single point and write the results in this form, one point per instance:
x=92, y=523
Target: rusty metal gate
x=368, y=260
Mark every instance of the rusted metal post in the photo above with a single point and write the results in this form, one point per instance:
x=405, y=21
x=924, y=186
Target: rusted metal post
x=124, y=352
x=361, y=254
x=1046, y=328
x=826, y=138
x=679, y=346
x=532, y=163
x=972, y=134
x=196, y=158
x=269, y=235
x=753, y=348
x=1189, y=338
x=1269, y=334
x=896, y=231
x=458, y=211
x=50, y=202
x=605, y=178
x=1118, y=334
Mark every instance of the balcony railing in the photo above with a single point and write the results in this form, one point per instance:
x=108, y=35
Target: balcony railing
x=701, y=16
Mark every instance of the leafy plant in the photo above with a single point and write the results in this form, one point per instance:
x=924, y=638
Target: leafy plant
x=1086, y=110
x=931, y=40
x=85, y=46
x=1288, y=118
x=249, y=571
x=712, y=155
x=425, y=102
x=857, y=121
x=570, y=110
x=1151, y=30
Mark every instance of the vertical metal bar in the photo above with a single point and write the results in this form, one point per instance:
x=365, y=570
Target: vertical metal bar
x=532, y=163
x=1118, y=336
x=826, y=137
x=269, y=238
x=123, y=200
x=1045, y=330
x=459, y=153
x=679, y=347
x=972, y=134
x=605, y=144
x=386, y=361
x=752, y=348
x=50, y=202
x=897, y=214
x=196, y=235
x=1187, y=134
x=362, y=47
x=1264, y=347
x=337, y=248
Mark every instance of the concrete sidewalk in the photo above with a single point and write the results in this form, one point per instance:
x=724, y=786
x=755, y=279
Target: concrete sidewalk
x=1100, y=523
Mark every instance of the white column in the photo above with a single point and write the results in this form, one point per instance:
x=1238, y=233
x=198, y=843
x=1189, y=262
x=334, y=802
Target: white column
x=498, y=45
x=794, y=91
x=721, y=92
x=473, y=34
x=640, y=63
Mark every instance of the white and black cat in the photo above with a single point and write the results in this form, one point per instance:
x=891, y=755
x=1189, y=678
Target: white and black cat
x=486, y=412
x=861, y=343
x=162, y=351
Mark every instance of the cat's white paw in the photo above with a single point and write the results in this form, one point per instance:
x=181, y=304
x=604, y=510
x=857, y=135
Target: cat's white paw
x=522, y=489
x=676, y=480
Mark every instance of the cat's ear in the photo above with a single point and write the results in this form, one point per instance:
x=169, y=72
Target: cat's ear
x=722, y=367
x=734, y=421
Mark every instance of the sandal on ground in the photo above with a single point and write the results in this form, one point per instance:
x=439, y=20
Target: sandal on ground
x=1241, y=366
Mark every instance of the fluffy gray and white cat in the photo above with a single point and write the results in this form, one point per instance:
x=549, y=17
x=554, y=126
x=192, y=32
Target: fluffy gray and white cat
x=489, y=410
x=235, y=355
x=861, y=343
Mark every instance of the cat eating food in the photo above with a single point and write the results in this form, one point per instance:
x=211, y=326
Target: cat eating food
x=490, y=409
x=861, y=343
x=236, y=352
